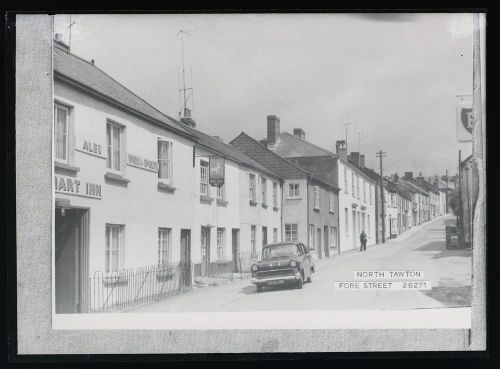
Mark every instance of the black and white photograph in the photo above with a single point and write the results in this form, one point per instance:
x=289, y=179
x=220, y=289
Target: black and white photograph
x=251, y=172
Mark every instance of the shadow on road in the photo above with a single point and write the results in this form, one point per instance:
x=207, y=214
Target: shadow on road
x=251, y=290
x=451, y=296
x=443, y=252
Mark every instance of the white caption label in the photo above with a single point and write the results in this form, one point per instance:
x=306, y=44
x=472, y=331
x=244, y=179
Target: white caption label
x=383, y=285
x=365, y=275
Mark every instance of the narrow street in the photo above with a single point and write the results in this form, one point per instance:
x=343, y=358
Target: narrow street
x=419, y=249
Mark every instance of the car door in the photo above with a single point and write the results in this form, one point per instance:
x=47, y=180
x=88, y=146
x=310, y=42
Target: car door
x=306, y=261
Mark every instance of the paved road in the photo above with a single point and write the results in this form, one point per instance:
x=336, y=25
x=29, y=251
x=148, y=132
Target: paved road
x=419, y=249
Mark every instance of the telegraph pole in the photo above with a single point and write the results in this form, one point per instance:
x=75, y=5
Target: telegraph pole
x=381, y=155
x=446, y=191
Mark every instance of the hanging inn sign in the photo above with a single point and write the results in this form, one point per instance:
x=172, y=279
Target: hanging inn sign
x=465, y=121
x=216, y=171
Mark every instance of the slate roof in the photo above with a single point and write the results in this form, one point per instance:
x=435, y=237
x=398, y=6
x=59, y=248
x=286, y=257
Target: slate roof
x=84, y=73
x=282, y=166
x=412, y=187
x=290, y=146
x=229, y=151
x=426, y=186
x=268, y=158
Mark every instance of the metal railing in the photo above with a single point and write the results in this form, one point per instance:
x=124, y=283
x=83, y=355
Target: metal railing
x=244, y=261
x=131, y=287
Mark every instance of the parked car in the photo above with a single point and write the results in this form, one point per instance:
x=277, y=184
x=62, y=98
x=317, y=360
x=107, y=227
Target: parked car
x=283, y=263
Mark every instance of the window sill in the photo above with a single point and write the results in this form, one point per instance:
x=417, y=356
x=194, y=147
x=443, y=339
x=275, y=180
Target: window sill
x=206, y=198
x=222, y=202
x=166, y=187
x=275, y=208
x=316, y=209
x=264, y=206
x=66, y=168
x=253, y=203
x=331, y=212
x=116, y=178
x=115, y=281
x=294, y=198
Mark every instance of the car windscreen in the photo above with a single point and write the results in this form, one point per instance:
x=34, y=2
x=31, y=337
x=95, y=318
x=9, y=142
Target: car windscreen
x=277, y=251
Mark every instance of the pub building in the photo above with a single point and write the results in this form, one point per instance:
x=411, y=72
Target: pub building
x=123, y=183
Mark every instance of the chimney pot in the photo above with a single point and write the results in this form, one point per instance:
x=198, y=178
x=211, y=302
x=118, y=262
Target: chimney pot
x=408, y=175
x=362, y=161
x=354, y=158
x=273, y=130
x=299, y=133
x=341, y=149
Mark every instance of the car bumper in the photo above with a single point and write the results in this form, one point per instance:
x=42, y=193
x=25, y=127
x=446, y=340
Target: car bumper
x=289, y=278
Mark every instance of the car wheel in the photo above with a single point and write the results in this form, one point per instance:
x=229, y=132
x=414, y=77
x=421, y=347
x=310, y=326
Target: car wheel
x=300, y=282
x=259, y=288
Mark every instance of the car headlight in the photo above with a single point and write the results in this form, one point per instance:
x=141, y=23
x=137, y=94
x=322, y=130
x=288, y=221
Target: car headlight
x=293, y=263
x=254, y=268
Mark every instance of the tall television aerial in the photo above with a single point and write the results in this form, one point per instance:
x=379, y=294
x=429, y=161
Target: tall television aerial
x=186, y=93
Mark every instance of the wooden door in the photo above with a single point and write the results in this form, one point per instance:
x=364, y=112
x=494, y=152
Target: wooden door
x=236, y=249
x=186, y=256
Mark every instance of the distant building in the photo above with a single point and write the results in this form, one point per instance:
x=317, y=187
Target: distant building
x=309, y=206
x=356, y=189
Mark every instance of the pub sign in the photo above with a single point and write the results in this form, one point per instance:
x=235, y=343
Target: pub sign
x=216, y=171
x=465, y=121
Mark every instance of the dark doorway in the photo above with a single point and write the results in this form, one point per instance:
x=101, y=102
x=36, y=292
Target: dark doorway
x=264, y=236
x=205, y=251
x=71, y=269
x=186, y=256
x=318, y=240
x=326, y=240
x=236, y=249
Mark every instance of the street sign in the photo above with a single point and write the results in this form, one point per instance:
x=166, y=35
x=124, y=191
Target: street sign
x=465, y=121
x=216, y=172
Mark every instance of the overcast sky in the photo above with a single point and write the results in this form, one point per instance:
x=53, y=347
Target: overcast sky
x=396, y=76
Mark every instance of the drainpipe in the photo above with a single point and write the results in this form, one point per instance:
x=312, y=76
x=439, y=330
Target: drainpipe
x=282, y=182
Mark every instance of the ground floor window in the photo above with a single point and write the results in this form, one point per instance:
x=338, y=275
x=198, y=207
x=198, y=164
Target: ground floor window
x=253, y=231
x=114, y=252
x=221, y=243
x=164, y=248
x=333, y=237
x=290, y=232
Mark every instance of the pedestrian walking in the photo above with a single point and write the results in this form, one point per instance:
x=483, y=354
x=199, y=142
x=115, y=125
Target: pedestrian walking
x=362, y=239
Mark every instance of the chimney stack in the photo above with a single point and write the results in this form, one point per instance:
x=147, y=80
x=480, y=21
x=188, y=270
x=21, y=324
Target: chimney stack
x=395, y=178
x=408, y=175
x=362, y=161
x=299, y=133
x=341, y=149
x=186, y=119
x=59, y=39
x=354, y=158
x=273, y=130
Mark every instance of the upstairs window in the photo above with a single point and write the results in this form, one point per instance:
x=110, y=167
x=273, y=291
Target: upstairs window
x=293, y=190
x=204, y=178
x=113, y=135
x=165, y=160
x=263, y=187
x=331, y=202
x=220, y=192
x=252, y=187
x=316, y=197
x=345, y=180
x=275, y=194
x=61, y=124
